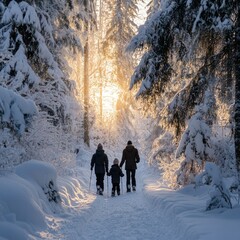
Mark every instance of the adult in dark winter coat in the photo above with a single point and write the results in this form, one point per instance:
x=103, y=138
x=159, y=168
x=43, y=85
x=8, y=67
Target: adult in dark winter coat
x=116, y=173
x=100, y=161
x=130, y=157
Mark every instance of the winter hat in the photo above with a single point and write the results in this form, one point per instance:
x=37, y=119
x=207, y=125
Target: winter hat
x=129, y=143
x=115, y=161
x=99, y=147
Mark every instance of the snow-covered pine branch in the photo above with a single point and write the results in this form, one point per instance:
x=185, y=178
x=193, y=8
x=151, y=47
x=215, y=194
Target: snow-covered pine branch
x=154, y=70
x=18, y=75
x=16, y=111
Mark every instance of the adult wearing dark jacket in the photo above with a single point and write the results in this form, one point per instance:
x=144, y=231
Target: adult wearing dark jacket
x=100, y=161
x=130, y=157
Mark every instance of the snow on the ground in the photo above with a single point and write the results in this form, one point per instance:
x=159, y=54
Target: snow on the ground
x=128, y=216
x=23, y=204
x=152, y=212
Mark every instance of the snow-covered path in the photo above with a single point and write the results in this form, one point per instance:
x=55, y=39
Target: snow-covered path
x=153, y=212
x=130, y=216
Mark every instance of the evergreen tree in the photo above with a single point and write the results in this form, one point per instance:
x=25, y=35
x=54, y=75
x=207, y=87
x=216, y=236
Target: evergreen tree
x=31, y=60
x=36, y=38
x=198, y=35
x=120, y=30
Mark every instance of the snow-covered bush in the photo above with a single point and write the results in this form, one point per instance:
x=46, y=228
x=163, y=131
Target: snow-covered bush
x=50, y=144
x=162, y=155
x=220, y=195
x=195, y=147
x=11, y=151
x=43, y=174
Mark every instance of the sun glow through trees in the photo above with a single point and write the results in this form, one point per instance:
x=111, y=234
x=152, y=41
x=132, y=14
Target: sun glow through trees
x=105, y=99
x=110, y=96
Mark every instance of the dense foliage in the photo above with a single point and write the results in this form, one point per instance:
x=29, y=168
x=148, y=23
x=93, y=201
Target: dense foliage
x=33, y=38
x=190, y=57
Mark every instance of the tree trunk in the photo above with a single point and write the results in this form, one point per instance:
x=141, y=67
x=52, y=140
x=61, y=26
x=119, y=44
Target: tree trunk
x=101, y=98
x=100, y=65
x=86, y=82
x=237, y=91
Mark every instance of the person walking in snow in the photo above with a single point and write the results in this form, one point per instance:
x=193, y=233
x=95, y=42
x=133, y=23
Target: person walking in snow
x=100, y=161
x=116, y=173
x=130, y=157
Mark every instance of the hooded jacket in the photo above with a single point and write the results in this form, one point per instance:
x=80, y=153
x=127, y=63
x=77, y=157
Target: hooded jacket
x=116, y=173
x=130, y=155
x=100, y=160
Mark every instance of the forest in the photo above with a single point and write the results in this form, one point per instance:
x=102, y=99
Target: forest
x=74, y=73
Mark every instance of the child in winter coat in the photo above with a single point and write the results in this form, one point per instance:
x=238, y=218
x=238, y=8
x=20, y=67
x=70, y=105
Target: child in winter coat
x=116, y=173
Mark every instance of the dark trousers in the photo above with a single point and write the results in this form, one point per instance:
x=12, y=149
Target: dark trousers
x=131, y=176
x=115, y=186
x=100, y=180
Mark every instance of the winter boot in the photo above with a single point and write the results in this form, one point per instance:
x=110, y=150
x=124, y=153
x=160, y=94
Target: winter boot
x=113, y=194
x=134, y=188
x=98, y=189
x=128, y=188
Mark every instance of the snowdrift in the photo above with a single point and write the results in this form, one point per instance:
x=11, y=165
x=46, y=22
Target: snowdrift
x=24, y=200
x=185, y=210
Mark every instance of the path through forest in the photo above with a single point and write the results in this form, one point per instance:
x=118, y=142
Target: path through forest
x=130, y=216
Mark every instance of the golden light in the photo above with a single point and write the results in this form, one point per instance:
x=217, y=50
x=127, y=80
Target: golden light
x=110, y=95
x=105, y=100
